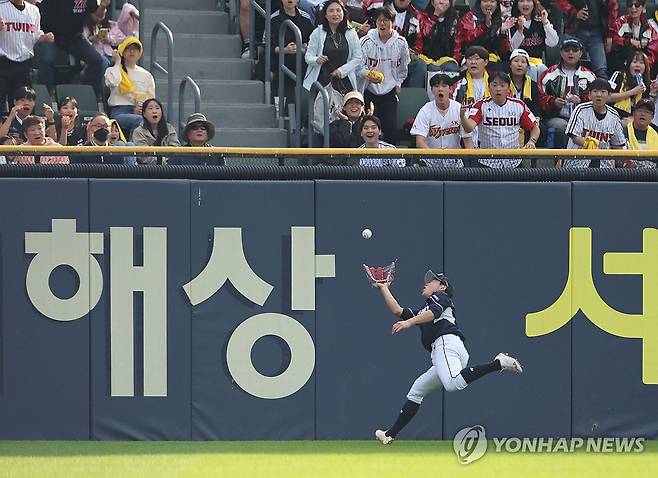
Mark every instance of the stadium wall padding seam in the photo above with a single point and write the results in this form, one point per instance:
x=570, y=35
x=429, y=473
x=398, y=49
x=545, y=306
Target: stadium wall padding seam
x=349, y=173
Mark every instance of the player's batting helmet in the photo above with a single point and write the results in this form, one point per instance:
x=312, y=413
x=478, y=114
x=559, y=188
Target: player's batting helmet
x=442, y=278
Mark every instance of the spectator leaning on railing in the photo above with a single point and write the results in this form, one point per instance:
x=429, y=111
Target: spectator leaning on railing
x=371, y=131
x=8, y=141
x=438, y=124
x=35, y=132
x=154, y=131
x=20, y=31
x=64, y=18
x=594, y=125
x=197, y=134
x=499, y=119
x=640, y=134
x=97, y=134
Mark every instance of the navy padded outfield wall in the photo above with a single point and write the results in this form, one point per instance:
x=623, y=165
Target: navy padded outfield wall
x=216, y=310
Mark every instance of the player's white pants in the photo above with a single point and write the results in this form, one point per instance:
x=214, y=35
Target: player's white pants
x=449, y=358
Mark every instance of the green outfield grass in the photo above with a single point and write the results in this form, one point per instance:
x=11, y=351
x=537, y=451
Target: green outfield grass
x=317, y=459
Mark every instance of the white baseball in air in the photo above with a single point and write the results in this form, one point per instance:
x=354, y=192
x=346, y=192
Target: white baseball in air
x=366, y=234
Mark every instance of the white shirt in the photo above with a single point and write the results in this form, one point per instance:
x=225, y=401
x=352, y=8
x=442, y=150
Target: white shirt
x=143, y=80
x=584, y=123
x=441, y=130
x=21, y=32
x=396, y=162
x=498, y=127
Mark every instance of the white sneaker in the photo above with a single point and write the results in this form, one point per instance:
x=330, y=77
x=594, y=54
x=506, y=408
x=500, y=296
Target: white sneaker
x=245, y=53
x=383, y=437
x=509, y=363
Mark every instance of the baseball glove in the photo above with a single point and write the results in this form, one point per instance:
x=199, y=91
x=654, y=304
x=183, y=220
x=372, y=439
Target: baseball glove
x=380, y=275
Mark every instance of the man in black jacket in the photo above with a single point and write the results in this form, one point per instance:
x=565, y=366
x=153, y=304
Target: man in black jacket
x=593, y=23
x=345, y=132
x=64, y=18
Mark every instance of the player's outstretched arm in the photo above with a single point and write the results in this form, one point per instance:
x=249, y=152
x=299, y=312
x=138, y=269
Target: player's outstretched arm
x=421, y=318
x=391, y=303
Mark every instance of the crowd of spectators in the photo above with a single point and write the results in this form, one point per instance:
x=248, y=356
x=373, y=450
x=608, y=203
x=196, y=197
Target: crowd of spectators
x=404, y=43
x=486, y=68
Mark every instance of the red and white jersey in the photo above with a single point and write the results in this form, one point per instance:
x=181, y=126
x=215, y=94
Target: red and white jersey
x=21, y=32
x=441, y=130
x=498, y=127
x=585, y=122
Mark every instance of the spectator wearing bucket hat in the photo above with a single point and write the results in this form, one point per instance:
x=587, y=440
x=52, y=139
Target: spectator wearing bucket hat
x=197, y=134
x=129, y=84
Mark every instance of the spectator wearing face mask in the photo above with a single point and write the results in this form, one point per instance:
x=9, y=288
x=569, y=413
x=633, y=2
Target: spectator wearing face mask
x=98, y=133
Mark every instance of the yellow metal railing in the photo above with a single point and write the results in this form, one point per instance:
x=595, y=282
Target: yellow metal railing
x=329, y=152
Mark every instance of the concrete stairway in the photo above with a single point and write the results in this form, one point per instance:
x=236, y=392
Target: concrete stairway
x=205, y=51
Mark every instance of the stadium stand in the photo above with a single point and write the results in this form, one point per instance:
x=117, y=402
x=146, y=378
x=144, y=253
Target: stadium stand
x=206, y=51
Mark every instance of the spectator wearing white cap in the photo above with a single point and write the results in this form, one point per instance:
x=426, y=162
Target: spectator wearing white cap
x=345, y=132
x=523, y=87
x=533, y=33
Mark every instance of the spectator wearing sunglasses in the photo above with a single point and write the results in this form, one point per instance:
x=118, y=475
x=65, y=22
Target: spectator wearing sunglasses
x=197, y=134
x=633, y=32
x=562, y=87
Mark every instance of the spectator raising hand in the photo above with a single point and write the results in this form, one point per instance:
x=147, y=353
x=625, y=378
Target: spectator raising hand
x=483, y=26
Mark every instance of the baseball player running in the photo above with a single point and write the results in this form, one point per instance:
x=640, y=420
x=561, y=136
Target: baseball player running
x=441, y=336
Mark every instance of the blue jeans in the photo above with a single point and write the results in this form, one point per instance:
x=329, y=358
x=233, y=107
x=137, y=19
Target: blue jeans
x=80, y=48
x=126, y=118
x=593, y=42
